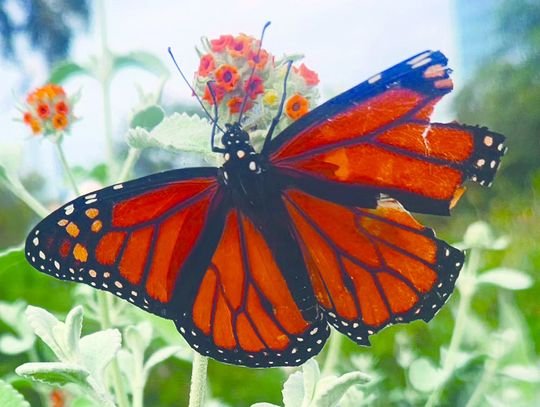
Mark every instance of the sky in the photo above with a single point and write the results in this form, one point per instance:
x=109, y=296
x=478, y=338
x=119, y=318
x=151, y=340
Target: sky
x=345, y=41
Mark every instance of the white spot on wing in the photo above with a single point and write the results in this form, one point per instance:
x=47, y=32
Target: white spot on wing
x=374, y=79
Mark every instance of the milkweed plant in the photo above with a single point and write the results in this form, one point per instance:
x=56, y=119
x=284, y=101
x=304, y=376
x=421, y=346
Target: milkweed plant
x=104, y=351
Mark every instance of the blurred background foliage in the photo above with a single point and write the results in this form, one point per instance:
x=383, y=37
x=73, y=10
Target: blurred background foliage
x=503, y=93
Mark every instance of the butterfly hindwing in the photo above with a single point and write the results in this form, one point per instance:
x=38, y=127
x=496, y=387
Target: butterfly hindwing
x=377, y=138
x=372, y=267
x=245, y=309
x=130, y=239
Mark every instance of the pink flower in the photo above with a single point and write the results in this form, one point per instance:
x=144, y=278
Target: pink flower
x=254, y=87
x=207, y=65
x=309, y=76
x=221, y=43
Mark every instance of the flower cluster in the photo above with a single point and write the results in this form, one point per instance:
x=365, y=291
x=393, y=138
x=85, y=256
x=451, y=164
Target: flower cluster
x=48, y=110
x=227, y=62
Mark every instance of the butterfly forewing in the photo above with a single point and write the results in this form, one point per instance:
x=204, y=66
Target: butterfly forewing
x=130, y=239
x=376, y=138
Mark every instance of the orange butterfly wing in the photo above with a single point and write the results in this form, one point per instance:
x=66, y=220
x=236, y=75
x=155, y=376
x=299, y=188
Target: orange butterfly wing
x=377, y=139
x=371, y=267
x=245, y=311
x=131, y=239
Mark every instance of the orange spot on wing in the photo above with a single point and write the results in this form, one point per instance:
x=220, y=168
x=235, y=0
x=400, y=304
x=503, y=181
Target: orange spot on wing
x=269, y=279
x=153, y=204
x=134, y=257
x=457, y=196
x=96, y=226
x=72, y=229
x=400, y=297
x=92, y=213
x=175, y=240
x=247, y=337
x=355, y=122
x=373, y=309
x=272, y=335
x=204, y=303
x=80, y=253
x=109, y=246
x=223, y=330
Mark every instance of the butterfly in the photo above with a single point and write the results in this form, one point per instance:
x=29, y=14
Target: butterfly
x=255, y=260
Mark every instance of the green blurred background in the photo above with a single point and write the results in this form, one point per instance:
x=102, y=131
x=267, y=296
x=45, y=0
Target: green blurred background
x=497, y=49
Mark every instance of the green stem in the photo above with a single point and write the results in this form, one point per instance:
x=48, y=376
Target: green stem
x=105, y=321
x=66, y=167
x=466, y=290
x=332, y=355
x=105, y=82
x=18, y=189
x=130, y=161
x=197, y=390
x=489, y=371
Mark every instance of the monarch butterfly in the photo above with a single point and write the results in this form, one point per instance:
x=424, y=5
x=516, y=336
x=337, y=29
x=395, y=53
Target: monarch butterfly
x=254, y=260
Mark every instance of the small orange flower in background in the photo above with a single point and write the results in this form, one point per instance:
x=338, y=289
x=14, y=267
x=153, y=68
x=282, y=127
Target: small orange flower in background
x=296, y=107
x=236, y=103
x=254, y=87
x=227, y=77
x=221, y=43
x=219, y=92
x=48, y=110
x=206, y=65
x=310, y=76
x=240, y=46
x=259, y=61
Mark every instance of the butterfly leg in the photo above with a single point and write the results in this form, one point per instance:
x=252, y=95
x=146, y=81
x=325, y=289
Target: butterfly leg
x=275, y=120
x=215, y=125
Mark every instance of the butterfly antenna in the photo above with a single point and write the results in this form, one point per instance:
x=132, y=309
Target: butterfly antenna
x=244, y=101
x=192, y=90
x=213, y=136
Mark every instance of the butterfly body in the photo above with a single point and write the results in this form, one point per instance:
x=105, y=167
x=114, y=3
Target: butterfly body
x=253, y=261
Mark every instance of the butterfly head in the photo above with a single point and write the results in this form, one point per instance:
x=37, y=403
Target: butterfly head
x=234, y=135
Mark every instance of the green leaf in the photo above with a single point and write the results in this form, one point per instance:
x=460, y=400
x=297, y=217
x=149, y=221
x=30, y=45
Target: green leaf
x=61, y=72
x=330, y=390
x=10, y=162
x=293, y=390
x=100, y=173
x=148, y=118
x=182, y=133
x=424, y=376
x=160, y=356
x=9, y=397
x=478, y=235
x=508, y=278
x=44, y=325
x=13, y=316
x=264, y=405
x=524, y=373
x=73, y=328
x=141, y=59
x=98, y=349
x=54, y=373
